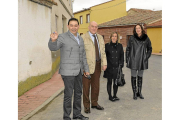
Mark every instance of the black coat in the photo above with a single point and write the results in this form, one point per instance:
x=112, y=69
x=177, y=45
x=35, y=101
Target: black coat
x=115, y=56
x=138, y=52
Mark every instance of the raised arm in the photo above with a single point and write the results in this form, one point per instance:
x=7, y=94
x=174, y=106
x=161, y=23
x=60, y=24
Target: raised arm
x=55, y=41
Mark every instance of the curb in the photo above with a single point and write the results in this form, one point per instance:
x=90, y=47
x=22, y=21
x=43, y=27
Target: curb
x=159, y=54
x=60, y=91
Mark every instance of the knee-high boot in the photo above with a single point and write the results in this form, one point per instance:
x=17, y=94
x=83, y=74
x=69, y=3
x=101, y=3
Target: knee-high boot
x=115, y=89
x=133, y=83
x=139, y=83
x=109, y=84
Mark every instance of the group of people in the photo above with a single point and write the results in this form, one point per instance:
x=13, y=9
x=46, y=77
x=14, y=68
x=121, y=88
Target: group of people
x=87, y=55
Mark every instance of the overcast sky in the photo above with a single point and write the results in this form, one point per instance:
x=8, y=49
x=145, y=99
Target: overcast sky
x=142, y=4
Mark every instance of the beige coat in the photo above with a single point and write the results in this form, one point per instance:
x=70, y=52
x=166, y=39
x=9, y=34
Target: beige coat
x=90, y=51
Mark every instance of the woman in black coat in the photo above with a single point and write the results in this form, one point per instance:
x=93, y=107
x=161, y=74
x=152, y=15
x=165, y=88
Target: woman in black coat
x=138, y=52
x=115, y=56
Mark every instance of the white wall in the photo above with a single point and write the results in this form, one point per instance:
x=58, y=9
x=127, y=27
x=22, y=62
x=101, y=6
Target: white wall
x=34, y=28
x=61, y=11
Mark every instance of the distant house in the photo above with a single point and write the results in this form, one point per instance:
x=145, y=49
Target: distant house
x=37, y=19
x=124, y=26
x=100, y=13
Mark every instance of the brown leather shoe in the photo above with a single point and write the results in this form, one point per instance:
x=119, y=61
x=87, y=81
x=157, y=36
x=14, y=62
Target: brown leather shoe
x=98, y=107
x=87, y=110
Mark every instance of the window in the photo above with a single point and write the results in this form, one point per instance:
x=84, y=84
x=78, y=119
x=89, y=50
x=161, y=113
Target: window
x=87, y=18
x=56, y=22
x=72, y=4
x=64, y=22
x=62, y=25
x=81, y=20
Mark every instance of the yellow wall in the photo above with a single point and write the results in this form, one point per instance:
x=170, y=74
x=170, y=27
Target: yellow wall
x=155, y=35
x=102, y=13
x=83, y=27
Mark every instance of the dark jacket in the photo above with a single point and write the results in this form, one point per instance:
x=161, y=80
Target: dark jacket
x=115, y=56
x=138, y=52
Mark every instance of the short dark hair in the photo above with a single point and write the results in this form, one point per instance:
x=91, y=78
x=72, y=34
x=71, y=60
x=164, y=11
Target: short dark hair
x=143, y=31
x=73, y=19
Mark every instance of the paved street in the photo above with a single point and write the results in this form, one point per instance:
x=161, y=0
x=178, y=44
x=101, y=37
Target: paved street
x=126, y=109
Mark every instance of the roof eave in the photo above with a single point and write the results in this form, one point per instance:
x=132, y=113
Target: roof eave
x=157, y=26
x=81, y=11
x=107, y=26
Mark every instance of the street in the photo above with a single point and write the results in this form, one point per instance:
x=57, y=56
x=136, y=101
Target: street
x=127, y=108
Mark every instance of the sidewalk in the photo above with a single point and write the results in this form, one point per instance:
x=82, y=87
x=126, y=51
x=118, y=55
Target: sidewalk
x=35, y=99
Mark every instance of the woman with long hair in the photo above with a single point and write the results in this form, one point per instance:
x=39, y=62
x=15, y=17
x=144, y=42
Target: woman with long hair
x=138, y=52
x=115, y=56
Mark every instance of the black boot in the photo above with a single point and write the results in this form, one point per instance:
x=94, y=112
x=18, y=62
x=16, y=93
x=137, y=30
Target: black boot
x=115, y=89
x=109, y=84
x=133, y=83
x=139, y=87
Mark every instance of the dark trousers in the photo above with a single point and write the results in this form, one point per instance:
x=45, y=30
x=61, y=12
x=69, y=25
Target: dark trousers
x=72, y=83
x=94, y=83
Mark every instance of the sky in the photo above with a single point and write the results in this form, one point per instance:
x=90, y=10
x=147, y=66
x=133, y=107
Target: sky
x=142, y=4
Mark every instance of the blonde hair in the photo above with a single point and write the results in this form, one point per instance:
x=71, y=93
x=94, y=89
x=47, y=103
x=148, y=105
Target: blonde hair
x=118, y=40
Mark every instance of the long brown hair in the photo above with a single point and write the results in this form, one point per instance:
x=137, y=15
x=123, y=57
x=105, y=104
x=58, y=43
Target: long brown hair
x=117, y=37
x=143, y=31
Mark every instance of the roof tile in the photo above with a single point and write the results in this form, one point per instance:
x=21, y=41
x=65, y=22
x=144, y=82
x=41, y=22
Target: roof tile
x=139, y=17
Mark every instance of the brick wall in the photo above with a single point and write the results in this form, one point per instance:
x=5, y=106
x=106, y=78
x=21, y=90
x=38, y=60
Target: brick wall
x=123, y=31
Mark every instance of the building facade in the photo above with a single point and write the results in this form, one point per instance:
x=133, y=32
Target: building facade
x=60, y=15
x=125, y=32
x=37, y=19
x=100, y=13
x=124, y=26
x=154, y=31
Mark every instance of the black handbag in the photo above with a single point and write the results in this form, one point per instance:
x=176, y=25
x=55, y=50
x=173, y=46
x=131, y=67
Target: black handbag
x=120, y=81
x=122, y=78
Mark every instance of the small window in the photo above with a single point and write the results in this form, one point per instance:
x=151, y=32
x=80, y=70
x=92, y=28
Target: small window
x=56, y=22
x=81, y=20
x=64, y=21
x=87, y=18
